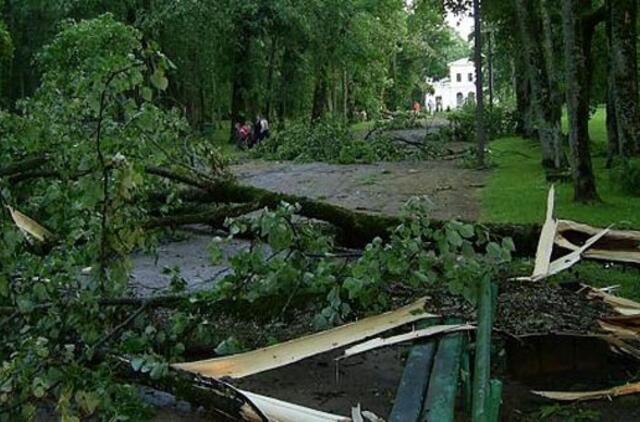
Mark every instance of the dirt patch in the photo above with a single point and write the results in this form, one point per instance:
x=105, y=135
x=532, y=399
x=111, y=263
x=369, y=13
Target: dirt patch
x=377, y=188
x=321, y=383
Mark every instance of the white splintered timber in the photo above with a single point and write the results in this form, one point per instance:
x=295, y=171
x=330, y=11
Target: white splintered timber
x=281, y=411
x=379, y=342
x=278, y=355
x=568, y=261
x=590, y=395
x=547, y=237
x=29, y=226
x=620, y=246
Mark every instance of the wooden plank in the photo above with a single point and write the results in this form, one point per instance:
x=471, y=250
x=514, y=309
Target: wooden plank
x=443, y=384
x=547, y=237
x=278, y=355
x=495, y=400
x=413, y=385
x=482, y=365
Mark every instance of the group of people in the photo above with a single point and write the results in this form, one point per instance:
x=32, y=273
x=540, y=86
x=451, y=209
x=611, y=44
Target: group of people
x=248, y=135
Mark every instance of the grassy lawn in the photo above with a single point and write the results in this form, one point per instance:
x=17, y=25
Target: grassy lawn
x=516, y=193
x=516, y=190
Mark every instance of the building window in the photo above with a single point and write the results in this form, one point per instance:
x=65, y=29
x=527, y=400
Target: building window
x=459, y=77
x=470, y=77
x=459, y=99
x=471, y=98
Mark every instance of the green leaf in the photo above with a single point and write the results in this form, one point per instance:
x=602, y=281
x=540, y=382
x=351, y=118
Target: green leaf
x=159, y=80
x=147, y=94
x=136, y=363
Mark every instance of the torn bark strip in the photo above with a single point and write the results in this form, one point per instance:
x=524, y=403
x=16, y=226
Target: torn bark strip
x=256, y=361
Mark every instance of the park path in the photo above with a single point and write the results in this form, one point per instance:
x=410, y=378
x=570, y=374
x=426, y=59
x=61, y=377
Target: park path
x=376, y=188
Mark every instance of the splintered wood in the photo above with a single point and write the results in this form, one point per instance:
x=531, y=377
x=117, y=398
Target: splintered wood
x=379, y=342
x=616, y=246
x=28, y=226
x=597, y=243
x=547, y=236
x=281, y=411
x=260, y=360
x=621, y=390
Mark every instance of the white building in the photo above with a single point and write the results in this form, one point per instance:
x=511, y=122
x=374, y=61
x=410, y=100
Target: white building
x=454, y=91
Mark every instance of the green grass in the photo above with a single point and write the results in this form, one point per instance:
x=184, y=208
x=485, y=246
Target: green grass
x=516, y=190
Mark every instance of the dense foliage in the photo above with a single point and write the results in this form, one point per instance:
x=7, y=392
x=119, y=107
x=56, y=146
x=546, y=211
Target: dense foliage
x=299, y=261
x=499, y=122
x=332, y=142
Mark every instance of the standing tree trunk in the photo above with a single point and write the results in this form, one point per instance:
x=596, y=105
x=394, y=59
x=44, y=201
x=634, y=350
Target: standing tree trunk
x=270, y=77
x=490, y=67
x=480, y=130
x=240, y=77
x=319, y=96
x=553, y=82
x=613, y=149
x=547, y=121
x=577, y=51
x=522, y=88
x=624, y=66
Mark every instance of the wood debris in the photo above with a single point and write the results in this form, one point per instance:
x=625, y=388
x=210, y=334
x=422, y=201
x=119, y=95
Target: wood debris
x=379, y=342
x=281, y=411
x=621, y=390
x=619, y=304
x=547, y=236
x=615, y=246
x=264, y=359
x=29, y=227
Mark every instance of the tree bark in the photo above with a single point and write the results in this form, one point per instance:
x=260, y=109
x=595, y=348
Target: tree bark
x=547, y=121
x=481, y=137
x=624, y=66
x=240, y=79
x=319, y=96
x=522, y=89
x=553, y=80
x=613, y=146
x=577, y=36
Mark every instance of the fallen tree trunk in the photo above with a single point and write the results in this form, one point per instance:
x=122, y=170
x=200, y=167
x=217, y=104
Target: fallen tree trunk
x=356, y=229
x=215, y=397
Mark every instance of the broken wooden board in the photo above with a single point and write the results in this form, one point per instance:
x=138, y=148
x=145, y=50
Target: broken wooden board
x=547, y=237
x=281, y=411
x=616, y=246
x=590, y=395
x=379, y=342
x=256, y=361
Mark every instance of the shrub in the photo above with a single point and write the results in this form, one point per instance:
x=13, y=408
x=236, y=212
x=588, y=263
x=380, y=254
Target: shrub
x=625, y=176
x=330, y=141
x=499, y=121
